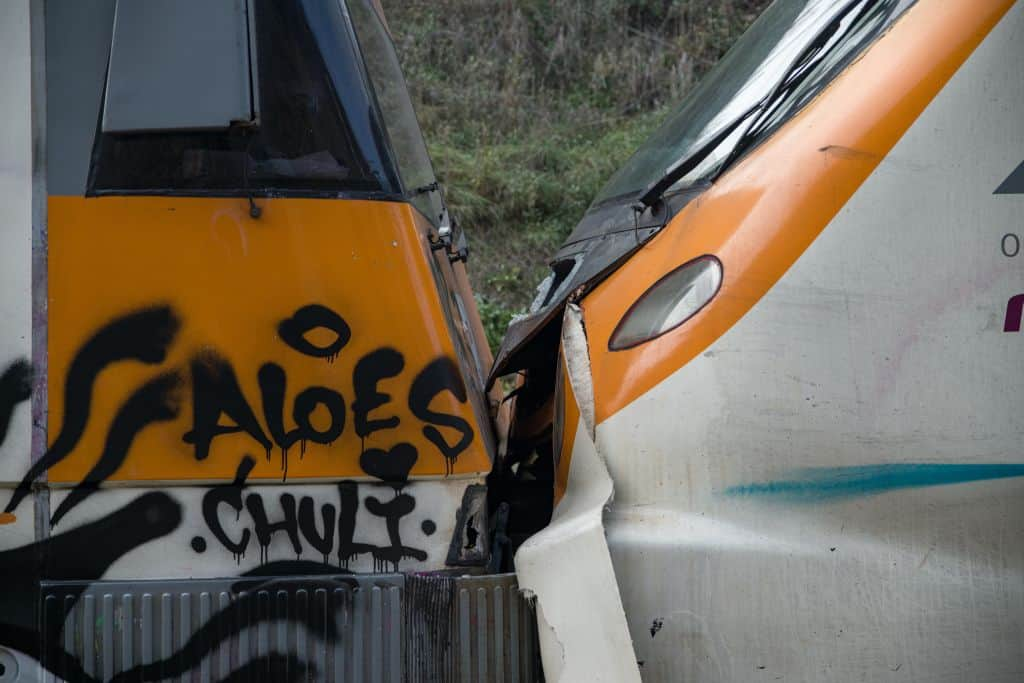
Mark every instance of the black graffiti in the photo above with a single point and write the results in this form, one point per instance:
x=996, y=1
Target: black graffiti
x=392, y=514
x=299, y=523
x=146, y=335
x=391, y=466
x=215, y=392
x=143, y=336
x=324, y=542
x=272, y=379
x=393, y=510
x=82, y=554
x=273, y=382
x=305, y=405
x=439, y=376
x=156, y=401
x=371, y=369
x=230, y=494
x=265, y=529
x=253, y=606
x=15, y=387
x=348, y=549
x=308, y=318
x=318, y=415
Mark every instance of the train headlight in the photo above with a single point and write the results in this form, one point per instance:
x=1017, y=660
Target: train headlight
x=669, y=302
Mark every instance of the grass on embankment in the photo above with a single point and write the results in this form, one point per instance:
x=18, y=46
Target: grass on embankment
x=528, y=106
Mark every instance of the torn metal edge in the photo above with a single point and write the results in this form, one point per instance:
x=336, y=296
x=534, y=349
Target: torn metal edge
x=465, y=551
x=577, y=360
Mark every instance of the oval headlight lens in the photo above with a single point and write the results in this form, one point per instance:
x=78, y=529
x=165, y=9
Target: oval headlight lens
x=669, y=303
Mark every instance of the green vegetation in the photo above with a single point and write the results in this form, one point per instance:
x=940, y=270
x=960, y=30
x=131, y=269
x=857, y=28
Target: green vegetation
x=528, y=106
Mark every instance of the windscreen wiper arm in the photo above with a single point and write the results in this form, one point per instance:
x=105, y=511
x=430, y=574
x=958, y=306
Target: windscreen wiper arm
x=793, y=76
x=796, y=74
x=653, y=193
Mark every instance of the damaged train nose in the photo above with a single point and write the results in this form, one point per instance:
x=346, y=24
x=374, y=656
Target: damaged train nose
x=766, y=379
x=760, y=422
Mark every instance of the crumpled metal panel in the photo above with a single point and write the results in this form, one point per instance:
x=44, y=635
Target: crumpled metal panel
x=604, y=240
x=384, y=628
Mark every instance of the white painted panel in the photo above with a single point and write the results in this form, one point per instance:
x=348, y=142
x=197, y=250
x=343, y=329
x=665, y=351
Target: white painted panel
x=15, y=234
x=167, y=533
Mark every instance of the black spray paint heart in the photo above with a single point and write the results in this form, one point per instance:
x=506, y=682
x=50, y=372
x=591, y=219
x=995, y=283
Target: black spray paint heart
x=392, y=466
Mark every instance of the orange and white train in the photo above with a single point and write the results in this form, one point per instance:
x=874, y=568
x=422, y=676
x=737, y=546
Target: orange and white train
x=766, y=415
x=785, y=358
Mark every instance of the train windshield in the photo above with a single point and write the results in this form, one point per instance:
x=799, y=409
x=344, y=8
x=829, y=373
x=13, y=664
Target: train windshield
x=793, y=50
x=392, y=96
x=300, y=119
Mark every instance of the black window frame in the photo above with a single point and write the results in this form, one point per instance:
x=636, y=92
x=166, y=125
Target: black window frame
x=374, y=148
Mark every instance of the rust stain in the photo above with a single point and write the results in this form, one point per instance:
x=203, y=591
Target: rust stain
x=7, y=518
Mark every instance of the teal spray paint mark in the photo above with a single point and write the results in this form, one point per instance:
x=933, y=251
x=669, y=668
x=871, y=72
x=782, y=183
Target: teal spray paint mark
x=817, y=484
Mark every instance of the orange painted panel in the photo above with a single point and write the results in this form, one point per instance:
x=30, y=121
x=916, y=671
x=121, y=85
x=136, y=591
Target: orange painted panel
x=761, y=215
x=324, y=311
x=570, y=418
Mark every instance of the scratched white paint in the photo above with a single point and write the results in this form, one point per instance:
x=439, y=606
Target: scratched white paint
x=15, y=221
x=884, y=343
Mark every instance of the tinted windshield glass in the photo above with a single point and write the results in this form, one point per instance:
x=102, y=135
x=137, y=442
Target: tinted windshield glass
x=314, y=130
x=396, y=106
x=866, y=20
x=752, y=70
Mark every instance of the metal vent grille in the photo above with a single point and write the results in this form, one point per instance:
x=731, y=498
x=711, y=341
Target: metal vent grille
x=376, y=629
x=469, y=629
